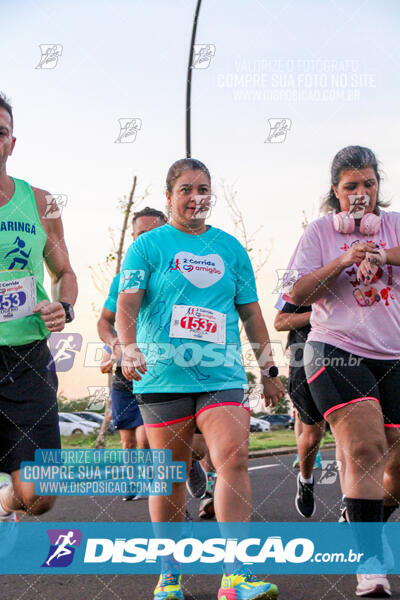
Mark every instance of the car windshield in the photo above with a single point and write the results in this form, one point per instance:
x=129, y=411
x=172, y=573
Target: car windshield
x=92, y=417
x=71, y=417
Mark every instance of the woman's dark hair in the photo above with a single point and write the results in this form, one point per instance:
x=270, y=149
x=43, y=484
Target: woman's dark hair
x=351, y=157
x=182, y=165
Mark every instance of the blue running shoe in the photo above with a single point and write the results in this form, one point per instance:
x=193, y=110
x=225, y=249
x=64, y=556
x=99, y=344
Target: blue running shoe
x=169, y=587
x=296, y=462
x=318, y=463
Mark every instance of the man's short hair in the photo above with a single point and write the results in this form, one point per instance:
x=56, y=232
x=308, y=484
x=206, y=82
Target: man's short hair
x=5, y=103
x=148, y=212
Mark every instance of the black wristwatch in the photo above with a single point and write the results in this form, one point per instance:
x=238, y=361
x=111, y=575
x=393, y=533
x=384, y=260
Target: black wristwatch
x=69, y=312
x=271, y=372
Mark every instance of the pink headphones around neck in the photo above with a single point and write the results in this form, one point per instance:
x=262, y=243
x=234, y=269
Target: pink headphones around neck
x=370, y=223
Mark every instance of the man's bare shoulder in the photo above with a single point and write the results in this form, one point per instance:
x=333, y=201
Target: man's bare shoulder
x=41, y=200
x=47, y=205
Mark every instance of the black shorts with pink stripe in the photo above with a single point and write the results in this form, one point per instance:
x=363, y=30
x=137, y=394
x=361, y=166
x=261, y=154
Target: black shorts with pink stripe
x=337, y=378
x=160, y=410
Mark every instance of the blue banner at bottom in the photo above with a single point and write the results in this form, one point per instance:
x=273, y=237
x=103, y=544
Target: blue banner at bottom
x=129, y=548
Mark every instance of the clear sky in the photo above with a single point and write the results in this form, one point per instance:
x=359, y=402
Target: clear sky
x=330, y=69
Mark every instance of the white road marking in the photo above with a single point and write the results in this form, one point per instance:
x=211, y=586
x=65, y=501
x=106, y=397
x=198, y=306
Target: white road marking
x=263, y=467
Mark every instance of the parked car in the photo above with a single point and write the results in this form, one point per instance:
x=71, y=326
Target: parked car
x=277, y=421
x=93, y=417
x=254, y=425
x=259, y=425
x=70, y=424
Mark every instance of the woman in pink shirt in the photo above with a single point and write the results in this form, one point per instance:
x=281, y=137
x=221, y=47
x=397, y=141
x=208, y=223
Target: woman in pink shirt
x=347, y=266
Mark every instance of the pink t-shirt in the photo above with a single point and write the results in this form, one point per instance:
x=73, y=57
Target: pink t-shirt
x=361, y=319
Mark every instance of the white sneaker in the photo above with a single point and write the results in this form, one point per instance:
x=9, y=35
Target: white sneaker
x=5, y=480
x=376, y=586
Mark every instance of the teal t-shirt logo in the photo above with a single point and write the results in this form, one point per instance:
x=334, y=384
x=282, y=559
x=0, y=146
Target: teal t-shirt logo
x=201, y=271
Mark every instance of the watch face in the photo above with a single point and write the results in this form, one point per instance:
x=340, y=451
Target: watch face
x=69, y=312
x=273, y=371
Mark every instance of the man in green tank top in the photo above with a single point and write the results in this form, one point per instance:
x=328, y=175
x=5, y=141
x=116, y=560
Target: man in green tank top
x=31, y=234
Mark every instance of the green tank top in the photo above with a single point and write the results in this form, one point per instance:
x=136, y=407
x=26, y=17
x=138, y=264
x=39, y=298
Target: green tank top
x=22, y=242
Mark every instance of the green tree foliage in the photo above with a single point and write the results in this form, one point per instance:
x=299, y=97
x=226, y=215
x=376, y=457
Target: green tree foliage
x=65, y=405
x=251, y=378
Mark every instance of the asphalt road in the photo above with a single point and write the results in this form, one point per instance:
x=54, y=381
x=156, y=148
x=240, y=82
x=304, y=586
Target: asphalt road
x=273, y=484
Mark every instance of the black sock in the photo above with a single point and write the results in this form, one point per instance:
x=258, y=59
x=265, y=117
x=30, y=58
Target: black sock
x=388, y=510
x=360, y=510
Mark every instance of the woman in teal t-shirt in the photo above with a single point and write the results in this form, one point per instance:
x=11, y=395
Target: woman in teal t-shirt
x=191, y=282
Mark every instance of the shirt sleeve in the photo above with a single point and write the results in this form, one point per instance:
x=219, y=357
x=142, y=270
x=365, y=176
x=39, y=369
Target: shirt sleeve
x=306, y=259
x=136, y=267
x=280, y=303
x=394, y=217
x=111, y=302
x=246, y=291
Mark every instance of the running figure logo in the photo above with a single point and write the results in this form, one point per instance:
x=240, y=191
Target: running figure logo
x=202, y=56
x=278, y=129
x=128, y=129
x=54, y=205
x=131, y=279
x=255, y=395
x=50, y=53
x=19, y=255
x=63, y=348
x=174, y=265
x=98, y=396
x=330, y=470
x=286, y=280
x=63, y=543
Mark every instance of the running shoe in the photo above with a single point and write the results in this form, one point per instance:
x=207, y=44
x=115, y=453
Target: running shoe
x=130, y=498
x=296, y=462
x=211, y=479
x=242, y=585
x=169, y=587
x=206, y=507
x=318, y=463
x=304, y=501
x=374, y=586
x=5, y=480
x=196, y=483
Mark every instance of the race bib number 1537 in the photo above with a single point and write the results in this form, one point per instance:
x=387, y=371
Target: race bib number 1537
x=17, y=298
x=198, y=323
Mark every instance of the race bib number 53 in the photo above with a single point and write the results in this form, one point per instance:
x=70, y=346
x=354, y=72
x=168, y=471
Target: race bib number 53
x=198, y=323
x=17, y=298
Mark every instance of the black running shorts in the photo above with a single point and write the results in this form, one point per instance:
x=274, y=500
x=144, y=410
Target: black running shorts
x=337, y=378
x=28, y=404
x=301, y=397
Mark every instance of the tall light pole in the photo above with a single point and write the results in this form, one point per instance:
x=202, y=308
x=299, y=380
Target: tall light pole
x=189, y=81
